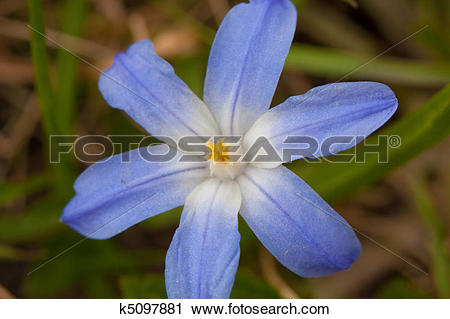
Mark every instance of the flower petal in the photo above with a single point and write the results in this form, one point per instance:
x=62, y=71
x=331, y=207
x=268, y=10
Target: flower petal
x=353, y=109
x=246, y=60
x=114, y=195
x=146, y=87
x=204, y=253
x=295, y=224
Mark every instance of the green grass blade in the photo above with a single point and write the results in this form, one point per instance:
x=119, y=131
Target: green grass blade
x=40, y=65
x=57, y=108
x=67, y=65
x=441, y=261
x=418, y=131
x=401, y=288
x=10, y=191
x=248, y=285
x=148, y=286
x=334, y=63
x=36, y=222
x=11, y=253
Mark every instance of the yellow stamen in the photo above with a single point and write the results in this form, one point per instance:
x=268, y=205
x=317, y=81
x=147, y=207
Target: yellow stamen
x=218, y=152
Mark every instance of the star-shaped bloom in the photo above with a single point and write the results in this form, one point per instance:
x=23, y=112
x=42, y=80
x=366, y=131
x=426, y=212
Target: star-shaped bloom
x=293, y=222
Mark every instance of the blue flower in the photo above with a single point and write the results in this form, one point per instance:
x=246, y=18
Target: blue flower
x=293, y=222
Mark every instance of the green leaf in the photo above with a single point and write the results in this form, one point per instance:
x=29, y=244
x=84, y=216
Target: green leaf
x=436, y=15
x=38, y=221
x=10, y=191
x=418, y=131
x=249, y=286
x=299, y=3
x=189, y=70
x=99, y=286
x=168, y=219
x=13, y=253
x=40, y=65
x=401, y=288
x=67, y=64
x=333, y=28
x=334, y=63
x=429, y=213
x=51, y=105
x=143, y=287
x=90, y=265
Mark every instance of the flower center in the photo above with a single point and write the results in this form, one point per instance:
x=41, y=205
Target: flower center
x=220, y=163
x=218, y=153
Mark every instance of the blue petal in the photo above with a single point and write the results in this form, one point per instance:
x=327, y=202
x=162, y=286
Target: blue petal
x=246, y=60
x=295, y=224
x=351, y=109
x=114, y=195
x=204, y=253
x=146, y=87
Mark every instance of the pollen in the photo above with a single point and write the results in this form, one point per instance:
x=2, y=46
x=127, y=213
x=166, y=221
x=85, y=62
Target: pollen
x=218, y=152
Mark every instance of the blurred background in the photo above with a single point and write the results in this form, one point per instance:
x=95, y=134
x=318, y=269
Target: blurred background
x=402, y=205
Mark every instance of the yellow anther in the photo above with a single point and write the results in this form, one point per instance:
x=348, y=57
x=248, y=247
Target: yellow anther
x=218, y=152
